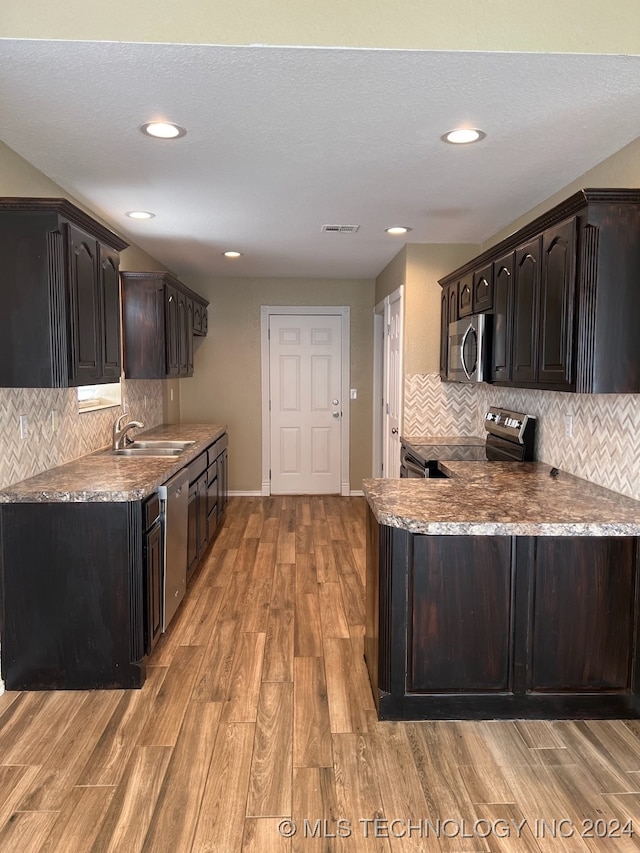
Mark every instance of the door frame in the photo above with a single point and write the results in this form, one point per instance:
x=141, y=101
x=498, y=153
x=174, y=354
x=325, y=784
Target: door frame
x=379, y=396
x=380, y=429
x=342, y=311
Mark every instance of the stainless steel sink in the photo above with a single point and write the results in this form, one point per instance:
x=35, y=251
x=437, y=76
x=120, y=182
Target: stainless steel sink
x=161, y=442
x=134, y=450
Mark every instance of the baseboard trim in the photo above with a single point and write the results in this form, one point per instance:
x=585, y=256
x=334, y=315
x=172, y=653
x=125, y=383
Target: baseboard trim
x=240, y=494
x=354, y=493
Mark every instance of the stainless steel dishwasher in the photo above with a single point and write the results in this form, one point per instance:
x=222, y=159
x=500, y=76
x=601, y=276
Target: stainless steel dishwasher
x=174, y=499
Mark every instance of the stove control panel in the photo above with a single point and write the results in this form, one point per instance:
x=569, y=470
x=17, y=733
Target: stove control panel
x=505, y=419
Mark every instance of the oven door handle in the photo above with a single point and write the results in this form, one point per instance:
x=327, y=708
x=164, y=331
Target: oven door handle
x=414, y=467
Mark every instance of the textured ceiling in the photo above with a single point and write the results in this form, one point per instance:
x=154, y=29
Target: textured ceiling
x=281, y=141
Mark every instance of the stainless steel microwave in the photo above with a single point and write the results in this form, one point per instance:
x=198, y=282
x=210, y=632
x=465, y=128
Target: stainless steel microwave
x=469, y=349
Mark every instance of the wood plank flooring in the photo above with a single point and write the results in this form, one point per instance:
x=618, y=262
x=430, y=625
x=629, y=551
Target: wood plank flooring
x=257, y=711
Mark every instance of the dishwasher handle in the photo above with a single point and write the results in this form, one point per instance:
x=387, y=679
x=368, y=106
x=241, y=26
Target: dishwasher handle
x=174, y=486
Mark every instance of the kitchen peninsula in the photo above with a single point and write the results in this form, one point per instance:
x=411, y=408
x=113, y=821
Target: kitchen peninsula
x=501, y=592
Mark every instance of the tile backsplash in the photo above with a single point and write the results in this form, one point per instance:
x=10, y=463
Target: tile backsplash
x=75, y=434
x=604, y=446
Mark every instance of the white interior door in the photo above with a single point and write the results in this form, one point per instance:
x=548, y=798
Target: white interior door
x=394, y=376
x=305, y=376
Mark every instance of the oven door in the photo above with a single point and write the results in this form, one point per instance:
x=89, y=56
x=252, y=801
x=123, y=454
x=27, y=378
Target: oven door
x=410, y=466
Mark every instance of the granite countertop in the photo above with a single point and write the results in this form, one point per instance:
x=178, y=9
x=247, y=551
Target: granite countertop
x=101, y=477
x=502, y=499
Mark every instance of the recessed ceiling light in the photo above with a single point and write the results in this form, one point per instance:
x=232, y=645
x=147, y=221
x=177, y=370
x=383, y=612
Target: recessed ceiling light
x=139, y=214
x=232, y=254
x=397, y=229
x=464, y=135
x=163, y=129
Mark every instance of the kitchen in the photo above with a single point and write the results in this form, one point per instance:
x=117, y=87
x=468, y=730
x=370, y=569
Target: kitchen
x=428, y=407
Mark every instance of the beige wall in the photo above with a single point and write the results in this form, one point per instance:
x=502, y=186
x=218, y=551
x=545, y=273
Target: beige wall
x=426, y=263
x=226, y=387
x=622, y=169
x=419, y=266
x=578, y=26
x=19, y=178
x=392, y=276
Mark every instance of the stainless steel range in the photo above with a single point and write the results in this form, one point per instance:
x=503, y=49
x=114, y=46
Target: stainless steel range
x=510, y=438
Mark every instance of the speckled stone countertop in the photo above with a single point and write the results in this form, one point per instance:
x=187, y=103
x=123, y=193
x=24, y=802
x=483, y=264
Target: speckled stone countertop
x=502, y=499
x=101, y=477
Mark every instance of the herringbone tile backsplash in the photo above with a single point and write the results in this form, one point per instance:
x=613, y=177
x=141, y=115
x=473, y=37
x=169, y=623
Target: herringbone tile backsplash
x=604, y=447
x=76, y=434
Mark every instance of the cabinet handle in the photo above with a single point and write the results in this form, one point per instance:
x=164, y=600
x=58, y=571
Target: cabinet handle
x=171, y=299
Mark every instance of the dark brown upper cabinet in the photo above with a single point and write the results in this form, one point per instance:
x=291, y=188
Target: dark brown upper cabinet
x=525, y=303
x=557, y=305
x=502, y=318
x=60, y=324
x=566, y=297
x=160, y=316
x=483, y=289
x=444, y=332
x=465, y=297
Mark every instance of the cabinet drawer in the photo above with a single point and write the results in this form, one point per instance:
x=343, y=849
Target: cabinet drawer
x=197, y=467
x=214, y=450
x=151, y=511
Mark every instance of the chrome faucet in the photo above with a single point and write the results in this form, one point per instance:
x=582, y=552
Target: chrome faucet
x=120, y=433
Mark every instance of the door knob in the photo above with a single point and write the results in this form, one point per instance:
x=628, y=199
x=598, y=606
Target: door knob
x=394, y=431
x=336, y=402
x=336, y=414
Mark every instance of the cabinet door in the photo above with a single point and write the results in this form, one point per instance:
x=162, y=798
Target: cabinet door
x=172, y=333
x=203, y=536
x=444, y=332
x=192, y=538
x=85, y=362
x=453, y=303
x=154, y=579
x=502, y=318
x=465, y=296
x=183, y=355
x=109, y=290
x=197, y=318
x=557, y=300
x=459, y=620
x=188, y=337
x=223, y=481
x=582, y=618
x=483, y=289
x=525, y=321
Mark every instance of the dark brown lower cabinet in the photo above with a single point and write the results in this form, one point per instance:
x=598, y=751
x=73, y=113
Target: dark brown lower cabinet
x=470, y=627
x=74, y=595
x=208, y=492
x=153, y=545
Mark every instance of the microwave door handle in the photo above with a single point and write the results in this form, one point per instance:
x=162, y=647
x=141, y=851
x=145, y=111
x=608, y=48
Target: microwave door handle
x=462, y=346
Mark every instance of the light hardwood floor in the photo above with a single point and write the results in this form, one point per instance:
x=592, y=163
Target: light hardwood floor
x=257, y=710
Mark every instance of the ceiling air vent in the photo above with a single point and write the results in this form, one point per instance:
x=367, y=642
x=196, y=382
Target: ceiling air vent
x=340, y=229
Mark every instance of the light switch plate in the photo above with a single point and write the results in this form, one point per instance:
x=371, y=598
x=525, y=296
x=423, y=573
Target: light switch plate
x=354, y=393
